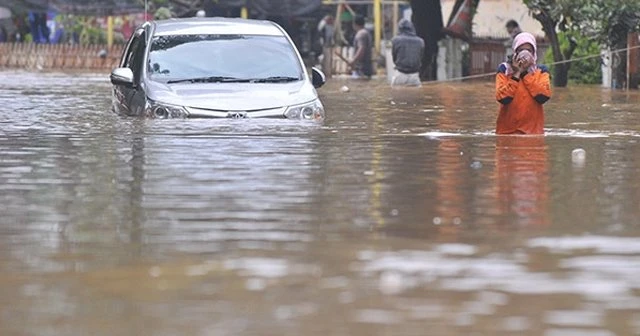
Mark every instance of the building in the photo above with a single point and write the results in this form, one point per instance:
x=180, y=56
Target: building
x=492, y=15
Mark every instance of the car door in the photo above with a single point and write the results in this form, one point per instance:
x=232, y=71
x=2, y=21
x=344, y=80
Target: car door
x=132, y=97
x=119, y=92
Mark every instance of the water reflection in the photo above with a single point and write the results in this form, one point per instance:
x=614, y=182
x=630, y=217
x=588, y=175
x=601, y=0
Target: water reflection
x=450, y=210
x=523, y=181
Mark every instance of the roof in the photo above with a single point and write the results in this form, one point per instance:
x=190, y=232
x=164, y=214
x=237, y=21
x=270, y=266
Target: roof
x=216, y=25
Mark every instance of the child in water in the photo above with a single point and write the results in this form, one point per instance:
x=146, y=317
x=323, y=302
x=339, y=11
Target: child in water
x=522, y=87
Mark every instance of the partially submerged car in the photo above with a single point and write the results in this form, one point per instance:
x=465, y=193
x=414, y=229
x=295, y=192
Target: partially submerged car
x=215, y=68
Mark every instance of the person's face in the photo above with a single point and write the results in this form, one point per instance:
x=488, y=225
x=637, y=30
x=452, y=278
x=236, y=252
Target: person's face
x=526, y=46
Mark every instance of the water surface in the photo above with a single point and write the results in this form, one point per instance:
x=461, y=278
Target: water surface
x=401, y=213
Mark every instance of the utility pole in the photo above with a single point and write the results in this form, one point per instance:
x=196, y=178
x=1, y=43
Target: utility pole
x=377, y=23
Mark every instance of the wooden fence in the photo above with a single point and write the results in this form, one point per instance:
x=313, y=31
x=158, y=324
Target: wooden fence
x=487, y=53
x=33, y=56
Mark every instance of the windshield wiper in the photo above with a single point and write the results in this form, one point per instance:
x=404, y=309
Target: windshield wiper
x=275, y=79
x=210, y=79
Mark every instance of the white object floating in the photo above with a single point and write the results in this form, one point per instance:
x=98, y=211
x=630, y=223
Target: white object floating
x=391, y=282
x=578, y=155
x=344, y=88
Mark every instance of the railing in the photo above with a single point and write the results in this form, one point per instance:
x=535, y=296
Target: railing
x=32, y=56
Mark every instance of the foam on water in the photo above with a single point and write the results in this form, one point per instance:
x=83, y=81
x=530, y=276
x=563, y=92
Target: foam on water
x=608, y=279
x=556, y=133
x=602, y=244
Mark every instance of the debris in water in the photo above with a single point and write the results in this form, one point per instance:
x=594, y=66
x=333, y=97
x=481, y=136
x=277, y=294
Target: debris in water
x=578, y=155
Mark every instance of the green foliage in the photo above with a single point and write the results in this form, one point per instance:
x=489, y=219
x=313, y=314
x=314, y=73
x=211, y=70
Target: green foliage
x=606, y=21
x=587, y=71
x=170, y=8
x=612, y=20
x=162, y=13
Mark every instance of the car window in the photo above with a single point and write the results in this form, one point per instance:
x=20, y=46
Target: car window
x=136, y=56
x=133, y=44
x=238, y=56
x=128, y=50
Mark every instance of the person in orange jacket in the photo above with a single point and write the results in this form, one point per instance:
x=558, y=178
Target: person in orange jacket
x=522, y=87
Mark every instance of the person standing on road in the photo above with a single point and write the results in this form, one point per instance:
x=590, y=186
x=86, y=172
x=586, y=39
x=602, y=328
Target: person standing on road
x=407, y=50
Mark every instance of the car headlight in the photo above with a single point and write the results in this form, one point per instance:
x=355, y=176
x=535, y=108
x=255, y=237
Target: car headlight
x=159, y=110
x=309, y=111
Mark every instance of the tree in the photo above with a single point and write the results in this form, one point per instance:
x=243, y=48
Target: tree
x=605, y=21
x=609, y=22
x=554, y=16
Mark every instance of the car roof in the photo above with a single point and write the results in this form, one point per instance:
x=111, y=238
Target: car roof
x=216, y=25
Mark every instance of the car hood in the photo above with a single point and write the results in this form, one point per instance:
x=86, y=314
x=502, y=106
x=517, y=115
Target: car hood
x=232, y=96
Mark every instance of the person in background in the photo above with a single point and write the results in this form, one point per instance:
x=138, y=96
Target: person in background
x=522, y=87
x=361, y=62
x=407, y=50
x=513, y=29
x=4, y=37
x=326, y=30
x=43, y=28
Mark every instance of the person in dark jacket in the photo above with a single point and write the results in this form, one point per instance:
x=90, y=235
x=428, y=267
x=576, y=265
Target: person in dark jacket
x=407, y=49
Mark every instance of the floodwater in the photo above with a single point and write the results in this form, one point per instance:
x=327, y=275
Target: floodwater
x=401, y=214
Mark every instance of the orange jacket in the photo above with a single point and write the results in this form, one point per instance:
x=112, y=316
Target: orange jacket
x=521, y=101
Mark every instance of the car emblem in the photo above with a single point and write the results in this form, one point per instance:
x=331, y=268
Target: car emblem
x=237, y=115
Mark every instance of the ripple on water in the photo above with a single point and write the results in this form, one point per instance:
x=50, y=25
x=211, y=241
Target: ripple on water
x=601, y=244
x=409, y=269
x=574, y=318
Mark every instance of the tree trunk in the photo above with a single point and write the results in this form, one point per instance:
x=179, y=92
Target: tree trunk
x=619, y=66
x=561, y=71
x=427, y=19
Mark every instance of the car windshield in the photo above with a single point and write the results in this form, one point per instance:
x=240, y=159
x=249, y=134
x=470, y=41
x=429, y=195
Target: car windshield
x=223, y=58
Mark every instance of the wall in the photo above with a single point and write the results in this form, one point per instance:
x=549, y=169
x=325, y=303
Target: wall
x=492, y=15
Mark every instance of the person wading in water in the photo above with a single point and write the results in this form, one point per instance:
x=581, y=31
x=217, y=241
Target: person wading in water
x=522, y=87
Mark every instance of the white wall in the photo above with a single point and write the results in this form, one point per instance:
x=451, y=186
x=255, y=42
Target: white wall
x=492, y=15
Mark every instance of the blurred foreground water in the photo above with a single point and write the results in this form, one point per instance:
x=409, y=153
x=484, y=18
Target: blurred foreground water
x=402, y=214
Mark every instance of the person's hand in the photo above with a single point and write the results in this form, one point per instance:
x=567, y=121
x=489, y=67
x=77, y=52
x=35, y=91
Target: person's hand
x=516, y=69
x=524, y=59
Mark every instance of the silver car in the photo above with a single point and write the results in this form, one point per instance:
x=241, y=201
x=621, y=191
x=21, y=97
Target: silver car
x=215, y=68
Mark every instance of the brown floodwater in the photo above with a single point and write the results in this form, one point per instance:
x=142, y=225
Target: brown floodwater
x=401, y=214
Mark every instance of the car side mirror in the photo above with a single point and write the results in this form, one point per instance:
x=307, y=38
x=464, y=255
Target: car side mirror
x=317, y=77
x=122, y=76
